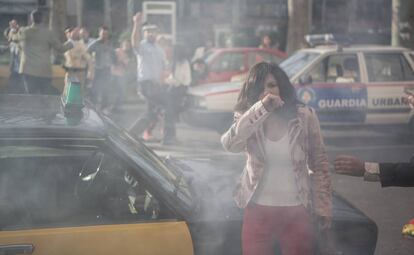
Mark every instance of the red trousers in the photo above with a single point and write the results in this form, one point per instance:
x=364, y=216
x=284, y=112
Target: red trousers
x=289, y=226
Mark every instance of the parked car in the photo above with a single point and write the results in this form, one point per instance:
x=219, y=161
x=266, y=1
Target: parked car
x=57, y=70
x=355, y=85
x=221, y=64
x=76, y=183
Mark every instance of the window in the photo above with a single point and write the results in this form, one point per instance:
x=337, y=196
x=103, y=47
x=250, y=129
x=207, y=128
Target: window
x=297, y=62
x=43, y=186
x=341, y=68
x=408, y=71
x=388, y=67
x=230, y=61
x=318, y=72
x=256, y=57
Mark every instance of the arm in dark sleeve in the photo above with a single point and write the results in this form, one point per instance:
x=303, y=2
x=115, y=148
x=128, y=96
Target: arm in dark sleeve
x=397, y=174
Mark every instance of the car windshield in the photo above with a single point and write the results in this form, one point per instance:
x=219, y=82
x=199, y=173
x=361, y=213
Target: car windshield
x=297, y=62
x=208, y=56
x=170, y=178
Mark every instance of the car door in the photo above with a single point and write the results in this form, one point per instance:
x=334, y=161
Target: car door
x=388, y=74
x=77, y=201
x=333, y=87
x=226, y=65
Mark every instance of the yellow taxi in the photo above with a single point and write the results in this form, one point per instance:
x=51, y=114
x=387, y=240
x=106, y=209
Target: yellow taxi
x=72, y=182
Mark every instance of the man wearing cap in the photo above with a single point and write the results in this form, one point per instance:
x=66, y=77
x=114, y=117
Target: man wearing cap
x=151, y=63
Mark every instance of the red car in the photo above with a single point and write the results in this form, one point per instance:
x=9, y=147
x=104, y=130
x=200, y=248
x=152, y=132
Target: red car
x=221, y=64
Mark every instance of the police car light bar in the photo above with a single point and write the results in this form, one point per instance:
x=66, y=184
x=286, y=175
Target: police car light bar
x=320, y=39
x=326, y=39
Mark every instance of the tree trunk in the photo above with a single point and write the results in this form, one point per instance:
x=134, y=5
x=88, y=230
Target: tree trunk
x=107, y=14
x=130, y=12
x=395, y=33
x=79, y=12
x=299, y=23
x=57, y=21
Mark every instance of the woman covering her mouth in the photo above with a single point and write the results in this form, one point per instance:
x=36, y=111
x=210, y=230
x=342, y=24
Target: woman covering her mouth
x=286, y=183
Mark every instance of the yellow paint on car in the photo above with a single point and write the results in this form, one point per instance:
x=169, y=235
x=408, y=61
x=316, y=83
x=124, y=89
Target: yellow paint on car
x=169, y=237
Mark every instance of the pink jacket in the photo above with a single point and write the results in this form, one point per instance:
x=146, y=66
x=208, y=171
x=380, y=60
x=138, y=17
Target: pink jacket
x=307, y=151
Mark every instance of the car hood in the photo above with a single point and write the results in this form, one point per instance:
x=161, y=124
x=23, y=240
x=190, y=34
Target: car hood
x=214, y=180
x=214, y=88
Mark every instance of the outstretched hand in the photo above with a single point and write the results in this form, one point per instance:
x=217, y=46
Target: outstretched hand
x=137, y=18
x=349, y=165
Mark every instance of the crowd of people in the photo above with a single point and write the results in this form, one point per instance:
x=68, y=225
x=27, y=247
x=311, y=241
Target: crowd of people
x=159, y=72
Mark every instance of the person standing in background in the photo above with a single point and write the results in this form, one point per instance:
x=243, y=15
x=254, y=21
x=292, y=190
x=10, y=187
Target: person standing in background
x=14, y=84
x=78, y=62
x=85, y=36
x=103, y=56
x=151, y=64
x=267, y=43
x=37, y=42
x=200, y=51
x=178, y=82
x=119, y=73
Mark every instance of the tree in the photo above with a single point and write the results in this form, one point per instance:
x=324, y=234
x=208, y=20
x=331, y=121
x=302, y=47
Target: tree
x=299, y=12
x=395, y=33
x=57, y=20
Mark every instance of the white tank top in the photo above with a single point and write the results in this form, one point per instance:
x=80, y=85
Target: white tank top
x=278, y=186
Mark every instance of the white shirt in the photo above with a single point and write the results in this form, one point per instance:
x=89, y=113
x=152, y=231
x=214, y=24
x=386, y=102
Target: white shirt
x=181, y=74
x=278, y=186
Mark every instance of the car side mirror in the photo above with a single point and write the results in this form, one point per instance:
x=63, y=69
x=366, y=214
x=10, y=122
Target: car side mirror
x=305, y=79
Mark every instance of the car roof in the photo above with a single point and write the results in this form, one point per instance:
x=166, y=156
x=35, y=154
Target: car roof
x=355, y=48
x=34, y=116
x=249, y=49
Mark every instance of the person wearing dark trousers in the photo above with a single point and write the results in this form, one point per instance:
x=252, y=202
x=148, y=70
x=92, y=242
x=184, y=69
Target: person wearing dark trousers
x=119, y=74
x=104, y=55
x=15, y=82
x=389, y=174
x=178, y=82
x=151, y=63
x=37, y=42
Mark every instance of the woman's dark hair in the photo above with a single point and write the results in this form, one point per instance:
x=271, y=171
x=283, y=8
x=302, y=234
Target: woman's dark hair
x=253, y=87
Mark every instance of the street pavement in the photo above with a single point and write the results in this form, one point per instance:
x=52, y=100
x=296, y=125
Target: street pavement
x=390, y=208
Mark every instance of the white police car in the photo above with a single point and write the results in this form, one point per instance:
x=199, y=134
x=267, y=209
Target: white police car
x=359, y=85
